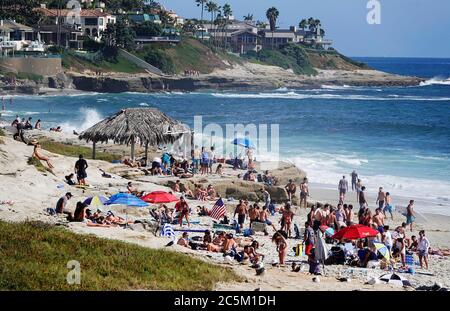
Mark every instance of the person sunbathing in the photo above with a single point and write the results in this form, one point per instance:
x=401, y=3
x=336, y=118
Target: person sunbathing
x=40, y=157
x=212, y=194
x=133, y=190
x=217, y=243
x=184, y=240
x=112, y=219
x=130, y=163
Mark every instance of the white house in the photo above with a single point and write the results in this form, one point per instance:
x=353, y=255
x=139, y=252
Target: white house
x=17, y=37
x=92, y=22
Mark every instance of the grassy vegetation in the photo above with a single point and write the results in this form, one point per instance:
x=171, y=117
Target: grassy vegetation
x=2, y=132
x=35, y=257
x=189, y=54
x=292, y=57
x=75, y=151
x=37, y=164
x=30, y=76
x=76, y=62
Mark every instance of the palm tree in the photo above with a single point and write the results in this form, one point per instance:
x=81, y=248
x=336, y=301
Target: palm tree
x=212, y=8
x=311, y=23
x=272, y=15
x=303, y=24
x=201, y=3
x=227, y=12
x=248, y=17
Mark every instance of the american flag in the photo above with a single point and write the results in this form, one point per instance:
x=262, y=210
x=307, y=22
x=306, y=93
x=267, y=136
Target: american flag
x=218, y=209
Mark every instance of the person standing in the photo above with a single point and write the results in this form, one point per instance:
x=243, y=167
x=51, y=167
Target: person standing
x=410, y=214
x=388, y=205
x=266, y=196
x=354, y=176
x=343, y=188
x=37, y=126
x=304, y=192
x=381, y=198
x=423, y=247
x=241, y=210
x=291, y=188
x=308, y=238
x=80, y=169
x=362, y=198
x=212, y=159
x=183, y=211
x=358, y=189
x=204, y=161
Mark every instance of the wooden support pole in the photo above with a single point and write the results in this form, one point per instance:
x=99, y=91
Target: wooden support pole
x=93, y=150
x=146, y=153
x=132, y=148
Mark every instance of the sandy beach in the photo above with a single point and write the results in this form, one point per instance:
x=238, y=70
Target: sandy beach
x=33, y=192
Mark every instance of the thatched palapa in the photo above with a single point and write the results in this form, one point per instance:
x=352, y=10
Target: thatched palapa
x=149, y=126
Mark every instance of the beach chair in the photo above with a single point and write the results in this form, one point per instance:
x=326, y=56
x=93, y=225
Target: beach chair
x=258, y=227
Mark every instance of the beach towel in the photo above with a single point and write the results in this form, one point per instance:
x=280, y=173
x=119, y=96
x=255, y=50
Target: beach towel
x=167, y=231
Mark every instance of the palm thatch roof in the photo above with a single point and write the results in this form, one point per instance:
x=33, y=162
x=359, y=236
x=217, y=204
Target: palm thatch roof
x=149, y=125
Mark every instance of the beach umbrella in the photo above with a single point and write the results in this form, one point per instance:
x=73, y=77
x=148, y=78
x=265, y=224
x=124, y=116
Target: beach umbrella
x=394, y=279
x=244, y=142
x=355, y=232
x=125, y=199
x=382, y=249
x=328, y=231
x=96, y=201
x=159, y=197
x=147, y=126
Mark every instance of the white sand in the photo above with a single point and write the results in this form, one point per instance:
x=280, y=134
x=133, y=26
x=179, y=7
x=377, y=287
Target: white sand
x=33, y=191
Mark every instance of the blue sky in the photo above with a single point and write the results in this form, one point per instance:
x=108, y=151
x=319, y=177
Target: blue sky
x=409, y=28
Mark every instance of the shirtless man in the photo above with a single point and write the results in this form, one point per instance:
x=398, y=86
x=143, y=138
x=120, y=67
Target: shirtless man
x=304, y=192
x=381, y=198
x=291, y=188
x=253, y=213
x=176, y=186
x=241, y=210
x=264, y=217
x=378, y=218
x=410, y=214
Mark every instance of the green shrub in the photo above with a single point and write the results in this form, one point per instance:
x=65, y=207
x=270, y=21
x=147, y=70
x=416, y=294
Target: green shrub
x=92, y=45
x=37, y=164
x=160, y=60
x=30, y=76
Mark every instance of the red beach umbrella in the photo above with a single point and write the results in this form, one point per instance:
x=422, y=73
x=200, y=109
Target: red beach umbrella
x=159, y=197
x=355, y=232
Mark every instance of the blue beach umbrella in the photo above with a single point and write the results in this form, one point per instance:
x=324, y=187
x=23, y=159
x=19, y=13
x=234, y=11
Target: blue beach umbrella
x=244, y=142
x=125, y=199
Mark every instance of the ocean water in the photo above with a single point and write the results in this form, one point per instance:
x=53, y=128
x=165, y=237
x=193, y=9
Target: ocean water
x=395, y=137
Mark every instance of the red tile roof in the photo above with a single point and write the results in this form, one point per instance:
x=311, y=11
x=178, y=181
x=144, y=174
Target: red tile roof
x=65, y=12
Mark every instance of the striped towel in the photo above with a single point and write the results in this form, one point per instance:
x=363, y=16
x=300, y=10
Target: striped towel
x=218, y=209
x=167, y=231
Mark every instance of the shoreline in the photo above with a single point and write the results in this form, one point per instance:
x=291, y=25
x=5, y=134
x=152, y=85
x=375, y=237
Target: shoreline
x=246, y=77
